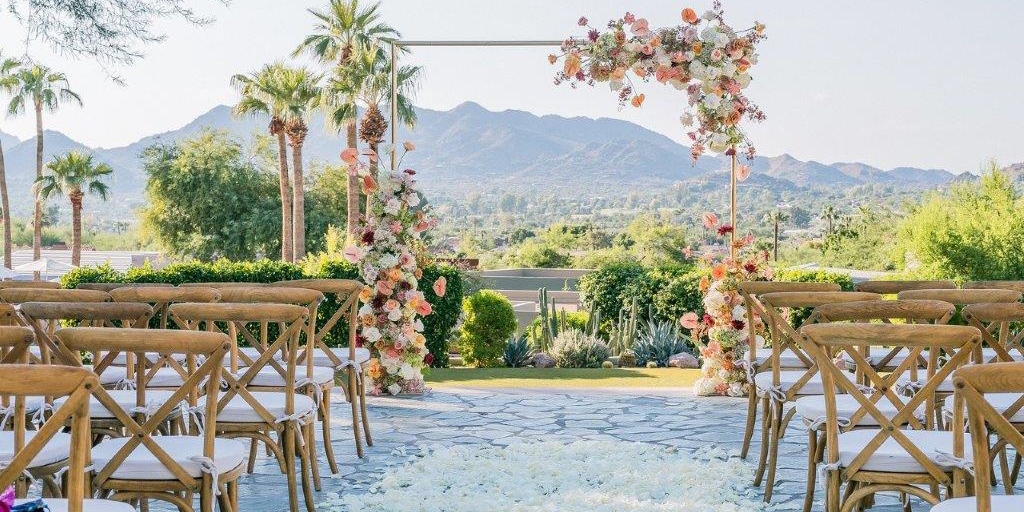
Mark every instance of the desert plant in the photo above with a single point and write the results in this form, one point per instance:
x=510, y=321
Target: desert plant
x=517, y=352
x=488, y=322
x=622, y=335
x=576, y=349
x=658, y=341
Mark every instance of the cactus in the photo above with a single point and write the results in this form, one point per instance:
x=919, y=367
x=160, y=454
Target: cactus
x=623, y=333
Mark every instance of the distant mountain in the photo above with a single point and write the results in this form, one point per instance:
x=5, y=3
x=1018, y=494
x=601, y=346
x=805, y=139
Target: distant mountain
x=470, y=148
x=8, y=140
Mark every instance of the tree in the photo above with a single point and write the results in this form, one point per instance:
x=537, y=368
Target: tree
x=776, y=217
x=42, y=88
x=337, y=33
x=73, y=174
x=301, y=91
x=8, y=67
x=107, y=30
x=374, y=67
x=829, y=215
x=262, y=94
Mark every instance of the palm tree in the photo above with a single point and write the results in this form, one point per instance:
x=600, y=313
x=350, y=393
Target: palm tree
x=300, y=91
x=261, y=94
x=829, y=215
x=776, y=217
x=73, y=174
x=7, y=82
x=338, y=31
x=42, y=88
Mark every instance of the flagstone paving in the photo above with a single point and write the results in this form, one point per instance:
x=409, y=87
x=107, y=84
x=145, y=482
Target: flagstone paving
x=452, y=416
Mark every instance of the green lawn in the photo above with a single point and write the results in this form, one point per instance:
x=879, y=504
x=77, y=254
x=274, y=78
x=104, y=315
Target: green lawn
x=563, y=377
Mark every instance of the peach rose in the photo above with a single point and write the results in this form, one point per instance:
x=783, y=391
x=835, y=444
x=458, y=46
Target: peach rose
x=440, y=286
x=718, y=271
x=690, y=16
x=573, y=64
x=638, y=100
x=350, y=155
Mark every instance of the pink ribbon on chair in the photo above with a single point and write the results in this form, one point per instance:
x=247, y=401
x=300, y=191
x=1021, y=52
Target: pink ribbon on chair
x=7, y=499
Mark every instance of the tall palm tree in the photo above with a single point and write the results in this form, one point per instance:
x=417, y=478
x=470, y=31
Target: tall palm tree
x=7, y=82
x=262, y=94
x=73, y=174
x=300, y=89
x=43, y=89
x=829, y=215
x=776, y=217
x=338, y=31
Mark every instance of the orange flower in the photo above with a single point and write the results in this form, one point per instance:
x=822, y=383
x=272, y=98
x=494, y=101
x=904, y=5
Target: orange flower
x=552, y=59
x=350, y=155
x=718, y=271
x=620, y=37
x=618, y=73
x=640, y=71
x=638, y=100
x=759, y=27
x=697, y=46
x=704, y=284
x=366, y=294
x=690, y=16
x=573, y=64
x=656, y=41
x=369, y=184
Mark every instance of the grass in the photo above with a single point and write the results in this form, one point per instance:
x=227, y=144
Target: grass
x=563, y=377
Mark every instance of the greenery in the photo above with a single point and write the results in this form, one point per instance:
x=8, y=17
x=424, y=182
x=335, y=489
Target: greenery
x=438, y=326
x=73, y=175
x=575, y=349
x=658, y=341
x=517, y=352
x=488, y=321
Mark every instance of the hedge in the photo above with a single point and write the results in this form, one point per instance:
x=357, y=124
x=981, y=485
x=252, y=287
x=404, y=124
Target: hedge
x=438, y=326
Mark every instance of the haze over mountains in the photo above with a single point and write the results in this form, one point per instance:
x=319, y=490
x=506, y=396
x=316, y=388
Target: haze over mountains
x=470, y=148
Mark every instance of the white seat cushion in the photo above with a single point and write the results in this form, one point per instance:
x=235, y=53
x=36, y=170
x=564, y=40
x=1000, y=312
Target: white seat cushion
x=811, y=408
x=320, y=357
x=125, y=398
x=57, y=448
x=141, y=464
x=990, y=354
x=119, y=359
x=891, y=457
x=165, y=378
x=946, y=386
x=269, y=376
x=877, y=354
x=88, y=505
x=787, y=358
x=238, y=410
x=999, y=401
x=1000, y=503
x=787, y=379
x=112, y=375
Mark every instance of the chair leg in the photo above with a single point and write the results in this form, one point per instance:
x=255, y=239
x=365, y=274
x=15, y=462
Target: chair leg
x=773, y=450
x=812, y=466
x=748, y=433
x=289, y=461
x=304, y=458
x=1004, y=470
x=351, y=392
x=253, y=446
x=325, y=423
x=362, y=405
x=766, y=415
x=832, y=484
x=206, y=494
x=314, y=458
x=224, y=500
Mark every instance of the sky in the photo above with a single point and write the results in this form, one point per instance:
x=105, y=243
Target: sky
x=909, y=83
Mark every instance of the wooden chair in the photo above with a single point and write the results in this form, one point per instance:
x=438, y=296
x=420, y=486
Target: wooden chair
x=143, y=465
x=220, y=285
x=811, y=409
x=48, y=441
x=1017, y=286
x=48, y=285
x=894, y=287
x=900, y=454
x=160, y=297
x=252, y=410
x=974, y=384
x=107, y=287
x=784, y=387
x=19, y=295
x=755, y=363
x=344, y=294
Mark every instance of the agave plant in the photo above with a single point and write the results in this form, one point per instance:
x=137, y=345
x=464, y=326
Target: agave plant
x=517, y=352
x=576, y=349
x=658, y=341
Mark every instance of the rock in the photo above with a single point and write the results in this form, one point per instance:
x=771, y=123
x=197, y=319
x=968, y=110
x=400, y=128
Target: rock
x=607, y=364
x=614, y=360
x=652, y=364
x=627, y=360
x=542, y=360
x=683, y=360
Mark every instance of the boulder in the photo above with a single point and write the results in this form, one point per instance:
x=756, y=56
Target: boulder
x=683, y=360
x=542, y=360
x=627, y=360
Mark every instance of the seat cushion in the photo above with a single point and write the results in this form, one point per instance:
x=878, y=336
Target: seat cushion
x=141, y=464
x=88, y=505
x=989, y=354
x=946, y=386
x=125, y=398
x=877, y=354
x=787, y=358
x=320, y=357
x=1000, y=503
x=119, y=359
x=999, y=401
x=811, y=408
x=787, y=379
x=891, y=457
x=239, y=411
x=57, y=449
x=112, y=375
x=269, y=376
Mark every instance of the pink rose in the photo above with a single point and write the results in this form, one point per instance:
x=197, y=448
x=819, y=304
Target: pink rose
x=689, y=321
x=409, y=146
x=350, y=155
x=440, y=286
x=385, y=288
x=710, y=220
x=640, y=27
x=742, y=172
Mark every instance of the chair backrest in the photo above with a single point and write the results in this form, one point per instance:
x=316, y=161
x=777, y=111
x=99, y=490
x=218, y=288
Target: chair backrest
x=750, y=290
x=209, y=345
x=343, y=295
x=971, y=384
x=963, y=297
x=824, y=340
x=305, y=297
x=292, y=319
x=995, y=285
x=22, y=380
x=221, y=285
x=1001, y=329
x=162, y=296
x=19, y=295
x=45, y=317
x=49, y=285
x=106, y=287
x=894, y=287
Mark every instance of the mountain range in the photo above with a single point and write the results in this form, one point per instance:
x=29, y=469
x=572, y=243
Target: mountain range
x=470, y=148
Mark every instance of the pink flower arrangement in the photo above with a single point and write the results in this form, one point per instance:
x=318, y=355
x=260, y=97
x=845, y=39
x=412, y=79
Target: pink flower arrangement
x=388, y=250
x=702, y=56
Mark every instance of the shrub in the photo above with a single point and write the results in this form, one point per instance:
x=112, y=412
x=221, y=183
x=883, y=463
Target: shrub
x=517, y=352
x=533, y=254
x=488, y=322
x=573, y=320
x=658, y=341
x=438, y=326
x=574, y=349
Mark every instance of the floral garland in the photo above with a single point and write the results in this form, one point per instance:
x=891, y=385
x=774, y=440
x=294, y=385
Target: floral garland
x=389, y=253
x=722, y=335
x=703, y=56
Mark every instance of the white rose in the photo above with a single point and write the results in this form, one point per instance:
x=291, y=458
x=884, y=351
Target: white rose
x=708, y=15
x=394, y=389
x=371, y=334
x=697, y=69
x=739, y=313
x=407, y=372
x=418, y=325
x=392, y=206
x=721, y=40
x=365, y=309
x=709, y=34
x=743, y=79
x=686, y=119
x=719, y=142
x=395, y=314
x=414, y=199
x=662, y=58
x=689, y=55
x=729, y=69
x=632, y=46
x=712, y=101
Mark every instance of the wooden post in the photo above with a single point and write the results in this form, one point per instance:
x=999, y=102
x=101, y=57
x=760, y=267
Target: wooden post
x=732, y=206
x=394, y=106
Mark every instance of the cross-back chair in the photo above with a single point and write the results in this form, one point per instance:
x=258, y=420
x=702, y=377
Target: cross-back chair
x=221, y=285
x=143, y=465
x=1017, y=286
x=900, y=455
x=780, y=386
x=251, y=410
x=974, y=387
x=894, y=287
x=49, y=442
x=107, y=287
x=755, y=363
x=160, y=297
x=39, y=285
x=17, y=296
x=343, y=293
